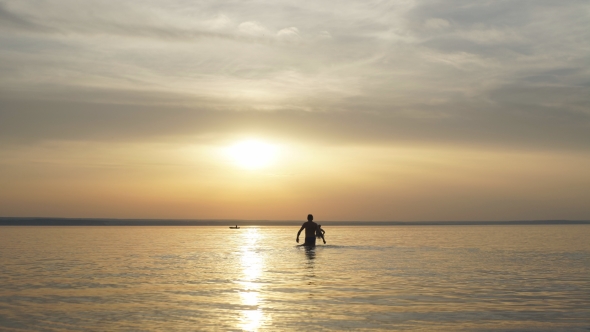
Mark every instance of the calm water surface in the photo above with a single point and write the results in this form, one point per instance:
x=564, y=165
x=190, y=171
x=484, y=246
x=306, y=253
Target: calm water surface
x=472, y=278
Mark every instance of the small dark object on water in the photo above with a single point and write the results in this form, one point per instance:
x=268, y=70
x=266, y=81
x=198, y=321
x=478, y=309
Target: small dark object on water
x=234, y=227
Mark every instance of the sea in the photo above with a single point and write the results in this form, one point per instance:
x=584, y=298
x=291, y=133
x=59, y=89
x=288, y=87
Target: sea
x=365, y=278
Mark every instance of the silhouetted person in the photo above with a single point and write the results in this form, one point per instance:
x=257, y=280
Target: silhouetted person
x=310, y=229
x=319, y=233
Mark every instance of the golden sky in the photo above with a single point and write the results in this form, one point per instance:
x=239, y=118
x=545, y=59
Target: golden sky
x=375, y=110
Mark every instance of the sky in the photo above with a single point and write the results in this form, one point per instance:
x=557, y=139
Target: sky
x=269, y=110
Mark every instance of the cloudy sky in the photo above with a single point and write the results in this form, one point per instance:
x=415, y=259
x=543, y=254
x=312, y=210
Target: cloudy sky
x=351, y=110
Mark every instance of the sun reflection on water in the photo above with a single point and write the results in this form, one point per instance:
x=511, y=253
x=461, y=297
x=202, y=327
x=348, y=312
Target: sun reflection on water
x=252, y=266
x=252, y=319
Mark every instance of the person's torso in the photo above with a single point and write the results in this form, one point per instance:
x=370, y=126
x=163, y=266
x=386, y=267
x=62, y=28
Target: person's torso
x=310, y=228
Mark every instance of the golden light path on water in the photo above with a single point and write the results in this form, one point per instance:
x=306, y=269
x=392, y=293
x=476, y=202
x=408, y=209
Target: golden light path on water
x=252, y=267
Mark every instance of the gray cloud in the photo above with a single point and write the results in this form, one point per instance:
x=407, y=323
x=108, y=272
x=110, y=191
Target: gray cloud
x=139, y=117
x=501, y=73
x=10, y=20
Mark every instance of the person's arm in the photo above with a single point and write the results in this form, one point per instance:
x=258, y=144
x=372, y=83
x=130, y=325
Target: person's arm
x=302, y=227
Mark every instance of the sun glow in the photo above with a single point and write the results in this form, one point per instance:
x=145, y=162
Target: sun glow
x=253, y=154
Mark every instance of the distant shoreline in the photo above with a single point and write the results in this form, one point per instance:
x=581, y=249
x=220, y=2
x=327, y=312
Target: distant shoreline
x=40, y=221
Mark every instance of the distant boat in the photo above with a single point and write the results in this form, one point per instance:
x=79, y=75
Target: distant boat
x=234, y=227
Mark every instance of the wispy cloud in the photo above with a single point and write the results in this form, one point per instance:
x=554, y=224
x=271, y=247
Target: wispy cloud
x=501, y=72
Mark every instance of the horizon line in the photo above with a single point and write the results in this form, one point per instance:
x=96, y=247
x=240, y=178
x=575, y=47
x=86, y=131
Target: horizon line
x=58, y=221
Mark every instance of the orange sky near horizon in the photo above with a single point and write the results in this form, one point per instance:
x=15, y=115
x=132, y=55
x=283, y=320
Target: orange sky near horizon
x=335, y=183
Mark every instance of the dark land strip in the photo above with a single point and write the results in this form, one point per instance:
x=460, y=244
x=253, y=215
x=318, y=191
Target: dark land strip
x=40, y=221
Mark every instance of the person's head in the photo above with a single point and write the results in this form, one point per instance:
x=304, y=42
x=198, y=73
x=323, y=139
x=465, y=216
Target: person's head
x=309, y=217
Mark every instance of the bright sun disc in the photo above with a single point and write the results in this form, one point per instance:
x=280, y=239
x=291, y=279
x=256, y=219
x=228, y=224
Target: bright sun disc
x=253, y=154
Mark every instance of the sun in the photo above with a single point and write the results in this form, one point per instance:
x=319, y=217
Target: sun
x=253, y=154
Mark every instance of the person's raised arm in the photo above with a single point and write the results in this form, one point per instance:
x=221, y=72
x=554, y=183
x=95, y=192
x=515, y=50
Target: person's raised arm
x=302, y=227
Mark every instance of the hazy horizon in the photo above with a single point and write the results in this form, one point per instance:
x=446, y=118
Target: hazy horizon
x=380, y=110
x=44, y=221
